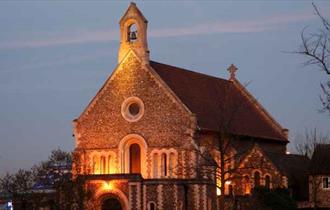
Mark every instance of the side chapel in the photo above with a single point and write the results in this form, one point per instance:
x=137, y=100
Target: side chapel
x=141, y=142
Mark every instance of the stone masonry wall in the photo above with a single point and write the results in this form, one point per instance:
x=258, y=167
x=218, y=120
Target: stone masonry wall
x=164, y=123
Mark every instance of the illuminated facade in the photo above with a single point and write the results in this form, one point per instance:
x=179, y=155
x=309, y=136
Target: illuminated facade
x=139, y=139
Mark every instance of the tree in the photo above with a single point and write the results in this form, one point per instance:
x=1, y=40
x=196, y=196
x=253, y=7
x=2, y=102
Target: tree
x=307, y=146
x=316, y=48
x=218, y=160
x=57, y=159
x=12, y=183
x=272, y=199
x=55, y=172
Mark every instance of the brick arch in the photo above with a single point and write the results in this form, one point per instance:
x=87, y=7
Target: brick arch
x=254, y=178
x=270, y=179
x=102, y=195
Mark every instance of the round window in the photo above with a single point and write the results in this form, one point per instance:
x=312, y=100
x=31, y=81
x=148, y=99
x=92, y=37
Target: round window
x=132, y=109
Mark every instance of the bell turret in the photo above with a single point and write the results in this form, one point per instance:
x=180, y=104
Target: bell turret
x=133, y=34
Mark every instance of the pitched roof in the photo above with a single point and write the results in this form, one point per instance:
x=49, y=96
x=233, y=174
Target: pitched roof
x=295, y=167
x=289, y=163
x=132, y=8
x=321, y=159
x=218, y=103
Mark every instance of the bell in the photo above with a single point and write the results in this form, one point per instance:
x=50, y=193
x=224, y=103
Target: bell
x=132, y=35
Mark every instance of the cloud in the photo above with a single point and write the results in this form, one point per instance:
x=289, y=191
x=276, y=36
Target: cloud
x=75, y=38
x=217, y=27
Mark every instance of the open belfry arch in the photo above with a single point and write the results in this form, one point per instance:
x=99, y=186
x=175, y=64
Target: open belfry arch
x=139, y=140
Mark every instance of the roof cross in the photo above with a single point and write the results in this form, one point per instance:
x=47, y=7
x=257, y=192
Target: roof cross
x=232, y=70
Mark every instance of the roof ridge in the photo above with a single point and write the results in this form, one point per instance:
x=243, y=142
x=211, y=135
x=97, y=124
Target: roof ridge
x=192, y=71
x=198, y=91
x=284, y=154
x=275, y=124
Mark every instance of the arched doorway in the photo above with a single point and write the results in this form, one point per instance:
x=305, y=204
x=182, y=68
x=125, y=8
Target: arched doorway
x=135, y=158
x=111, y=204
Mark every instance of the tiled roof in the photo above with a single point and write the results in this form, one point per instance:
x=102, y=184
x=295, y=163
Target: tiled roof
x=289, y=163
x=320, y=160
x=295, y=167
x=217, y=103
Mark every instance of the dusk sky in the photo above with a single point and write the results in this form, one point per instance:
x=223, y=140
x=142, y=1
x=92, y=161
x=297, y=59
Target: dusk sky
x=55, y=55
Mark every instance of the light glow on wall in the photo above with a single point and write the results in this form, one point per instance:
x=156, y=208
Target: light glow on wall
x=228, y=182
x=103, y=163
x=108, y=186
x=218, y=191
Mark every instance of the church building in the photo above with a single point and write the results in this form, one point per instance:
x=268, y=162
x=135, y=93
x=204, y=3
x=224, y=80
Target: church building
x=152, y=137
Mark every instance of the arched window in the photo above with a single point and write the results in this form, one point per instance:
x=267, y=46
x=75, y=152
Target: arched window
x=134, y=159
x=151, y=206
x=155, y=165
x=109, y=164
x=267, y=181
x=94, y=165
x=102, y=165
x=256, y=179
x=246, y=185
x=132, y=156
x=171, y=164
x=164, y=164
x=132, y=33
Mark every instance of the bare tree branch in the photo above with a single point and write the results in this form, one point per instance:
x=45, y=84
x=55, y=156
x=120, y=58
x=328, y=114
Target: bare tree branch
x=315, y=47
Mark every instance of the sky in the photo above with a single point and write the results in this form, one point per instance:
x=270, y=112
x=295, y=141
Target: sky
x=55, y=55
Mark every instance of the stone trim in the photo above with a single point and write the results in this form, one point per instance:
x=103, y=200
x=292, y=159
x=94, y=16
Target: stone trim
x=96, y=155
x=159, y=153
x=160, y=196
x=101, y=193
x=123, y=153
x=204, y=197
x=196, y=196
x=144, y=197
x=125, y=109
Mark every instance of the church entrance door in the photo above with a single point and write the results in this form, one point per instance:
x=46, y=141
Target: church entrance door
x=111, y=204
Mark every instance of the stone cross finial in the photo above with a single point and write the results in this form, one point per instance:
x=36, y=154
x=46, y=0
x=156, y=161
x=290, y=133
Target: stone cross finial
x=232, y=70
